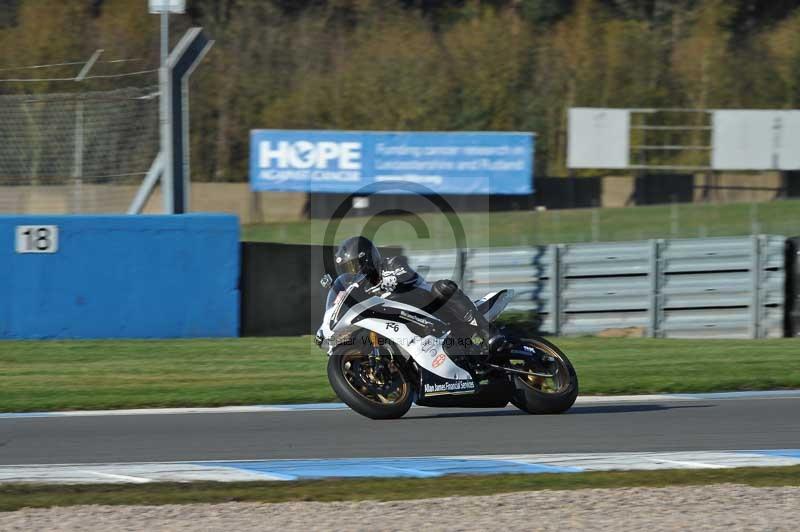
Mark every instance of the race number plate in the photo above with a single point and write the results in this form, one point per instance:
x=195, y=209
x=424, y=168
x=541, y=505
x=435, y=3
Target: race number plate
x=37, y=239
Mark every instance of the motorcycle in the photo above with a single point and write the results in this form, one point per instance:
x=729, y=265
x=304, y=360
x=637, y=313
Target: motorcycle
x=384, y=355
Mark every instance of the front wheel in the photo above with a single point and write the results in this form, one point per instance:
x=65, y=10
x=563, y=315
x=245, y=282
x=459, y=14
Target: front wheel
x=545, y=395
x=374, y=388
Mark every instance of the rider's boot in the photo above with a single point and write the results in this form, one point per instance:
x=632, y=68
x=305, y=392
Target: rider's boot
x=489, y=333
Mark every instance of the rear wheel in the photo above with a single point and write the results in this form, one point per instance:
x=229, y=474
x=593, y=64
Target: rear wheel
x=374, y=388
x=554, y=389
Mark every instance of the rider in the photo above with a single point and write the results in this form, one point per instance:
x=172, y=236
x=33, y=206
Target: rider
x=393, y=278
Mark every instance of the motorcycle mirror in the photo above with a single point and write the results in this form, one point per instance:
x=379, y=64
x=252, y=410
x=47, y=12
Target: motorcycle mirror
x=326, y=280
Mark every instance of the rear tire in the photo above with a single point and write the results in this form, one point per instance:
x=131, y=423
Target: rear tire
x=356, y=400
x=531, y=399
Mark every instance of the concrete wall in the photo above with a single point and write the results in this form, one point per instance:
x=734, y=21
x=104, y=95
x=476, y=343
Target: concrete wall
x=740, y=185
x=618, y=191
x=281, y=293
x=122, y=277
x=233, y=198
x=237, y=198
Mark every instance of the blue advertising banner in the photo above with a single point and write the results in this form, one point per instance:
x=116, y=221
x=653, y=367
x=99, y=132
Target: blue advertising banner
x=346, y=162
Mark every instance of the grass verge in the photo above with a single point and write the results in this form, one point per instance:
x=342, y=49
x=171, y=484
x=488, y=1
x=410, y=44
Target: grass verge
x=17, y=496
x=519, y=228
x=61, y=375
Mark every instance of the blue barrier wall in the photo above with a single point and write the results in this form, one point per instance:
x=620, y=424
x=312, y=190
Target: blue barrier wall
x=122, y=277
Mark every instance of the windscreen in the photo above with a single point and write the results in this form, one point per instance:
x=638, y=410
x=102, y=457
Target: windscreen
x=339, y=286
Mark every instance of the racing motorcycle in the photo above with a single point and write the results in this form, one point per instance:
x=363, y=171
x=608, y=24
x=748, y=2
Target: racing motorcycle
x=384, y=355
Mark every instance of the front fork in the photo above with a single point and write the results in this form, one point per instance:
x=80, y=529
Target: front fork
x=375, y=353
x=377, y=361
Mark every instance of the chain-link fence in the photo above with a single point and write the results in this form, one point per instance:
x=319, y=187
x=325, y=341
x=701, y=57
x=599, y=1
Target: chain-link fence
x=81, y=152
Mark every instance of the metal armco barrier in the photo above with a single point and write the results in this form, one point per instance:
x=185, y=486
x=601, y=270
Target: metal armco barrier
x=683, y=288
x=793, y=287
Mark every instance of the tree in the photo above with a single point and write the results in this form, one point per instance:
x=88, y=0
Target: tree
x=783, y=45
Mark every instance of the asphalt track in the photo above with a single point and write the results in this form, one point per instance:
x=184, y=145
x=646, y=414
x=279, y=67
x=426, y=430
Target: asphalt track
x=630, y=426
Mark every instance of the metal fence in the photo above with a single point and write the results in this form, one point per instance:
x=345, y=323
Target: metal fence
x=681, y=288
x=82, y=152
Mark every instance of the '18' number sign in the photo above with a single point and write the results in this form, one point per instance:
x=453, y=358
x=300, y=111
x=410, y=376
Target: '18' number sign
x=37, y=239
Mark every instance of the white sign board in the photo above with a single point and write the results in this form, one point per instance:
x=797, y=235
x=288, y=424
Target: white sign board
x=167, y=6
x=789, y=141
x=36, y=239
x=598, y=138
x=742, y=140
x=756, y=140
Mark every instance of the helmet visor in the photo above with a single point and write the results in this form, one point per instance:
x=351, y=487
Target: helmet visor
x=350, y=266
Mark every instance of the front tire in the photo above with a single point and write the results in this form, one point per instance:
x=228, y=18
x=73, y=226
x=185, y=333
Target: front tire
x=536, y=395
x=354, y=382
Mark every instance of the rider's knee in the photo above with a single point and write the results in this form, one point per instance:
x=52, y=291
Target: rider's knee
x=444, y=288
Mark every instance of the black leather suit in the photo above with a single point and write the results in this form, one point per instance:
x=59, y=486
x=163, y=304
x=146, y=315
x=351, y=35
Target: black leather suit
x=398, y=281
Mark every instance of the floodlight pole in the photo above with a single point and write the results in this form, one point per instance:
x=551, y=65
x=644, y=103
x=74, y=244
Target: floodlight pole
x=164, y=116
x=188, y=53
x=162, y=167
x=172, y=163
x=77, y=166
x=164, y=37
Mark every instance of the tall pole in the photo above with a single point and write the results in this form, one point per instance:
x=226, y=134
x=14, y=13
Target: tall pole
x=192, y=47
x=164, y=38
x=166, y=126
x=77, y=166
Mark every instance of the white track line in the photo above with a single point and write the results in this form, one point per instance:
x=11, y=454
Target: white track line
x=421, y=467
x=126, y=478
x=684, y=463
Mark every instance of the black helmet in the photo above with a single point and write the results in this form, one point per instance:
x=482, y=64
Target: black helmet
x=358, y=255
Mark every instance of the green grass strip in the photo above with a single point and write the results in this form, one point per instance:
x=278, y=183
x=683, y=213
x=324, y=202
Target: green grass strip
x=521, y=228
x=62, y=375
x=16, y=496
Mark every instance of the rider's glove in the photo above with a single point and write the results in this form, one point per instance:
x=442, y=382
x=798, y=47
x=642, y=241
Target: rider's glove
x=318, y=338
x=388, y=282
